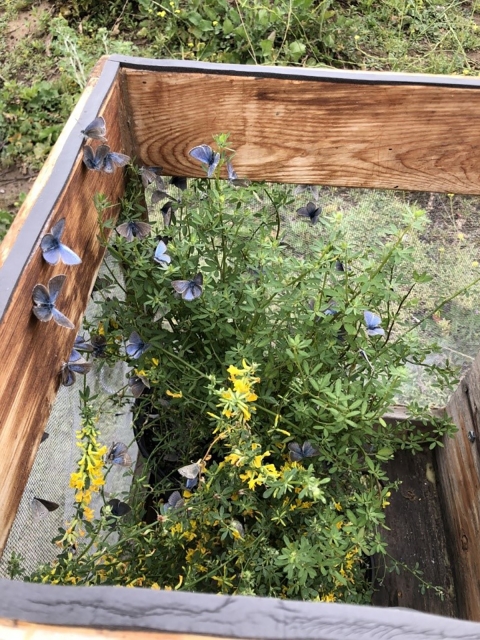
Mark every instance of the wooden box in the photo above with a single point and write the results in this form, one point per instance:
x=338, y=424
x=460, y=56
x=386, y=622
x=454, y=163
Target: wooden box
x=339, y=128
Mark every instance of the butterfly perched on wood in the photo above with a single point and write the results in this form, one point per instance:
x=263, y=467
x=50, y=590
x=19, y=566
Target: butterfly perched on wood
x=54, y=250
x=118, y=454
x=189, y=289
x=44, y=300
x=299, y=452
x=103, y=159
x=96, y=130
x=207, y=156
x=134, y=229
x=373, y=323
x=310, y=211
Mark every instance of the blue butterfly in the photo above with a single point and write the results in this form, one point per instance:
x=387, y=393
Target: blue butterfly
x=189, y=289
x=161, y=256
x=207, y=156
x=102, y=159
x=175, y=501
x=234, y=179
x=99, y=346
x=134, y=229
x=118, y=454
x=53, y=250
x=41, y=508
x=311, y=211
x=44, y=302
x=75, y=364
x=373, y=323
x=136, y=346
x=80, y=344
x=298, y=452
x=96, y=130
x=137, y=385
x=191, y=483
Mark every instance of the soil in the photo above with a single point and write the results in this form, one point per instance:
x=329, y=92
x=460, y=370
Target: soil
x=13, y=182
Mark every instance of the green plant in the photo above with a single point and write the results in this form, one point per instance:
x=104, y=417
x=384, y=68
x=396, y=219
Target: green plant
x=292, y=490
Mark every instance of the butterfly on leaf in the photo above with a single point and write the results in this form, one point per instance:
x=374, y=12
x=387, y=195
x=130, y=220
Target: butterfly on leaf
x=151, y=175
x=80, y=344
x=207, y=156
x=175, y=501
x=191, y=471
x=339, y=266
x=299, y=452
x=75, y=364
x=54, y=250
x=234, y=179
x=311, y=211
x=137, y=385
x=103, y=159
x=136, y=347
x=373, y=323
x=41, y=508
x=161, y=256
x=189, y=289
x=118, y=454
x=301, y=188
x=44, y=300
x=134, y=229
x=96, y=130
x=113, y=510
x=99, y=346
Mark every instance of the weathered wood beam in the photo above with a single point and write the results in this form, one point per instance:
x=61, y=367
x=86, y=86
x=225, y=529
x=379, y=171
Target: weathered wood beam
x=90, y=609
x=387, y=131
x=32, y=352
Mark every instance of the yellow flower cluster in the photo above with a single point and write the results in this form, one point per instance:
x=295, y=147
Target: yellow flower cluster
x=235, y=401
x=88, y=478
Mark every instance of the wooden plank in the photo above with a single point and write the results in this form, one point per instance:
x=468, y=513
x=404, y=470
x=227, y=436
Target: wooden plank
x=459, y=476
x=356, y=134
x=32, y=352
x=14, y=630
x=415, y=534
x=227, y=617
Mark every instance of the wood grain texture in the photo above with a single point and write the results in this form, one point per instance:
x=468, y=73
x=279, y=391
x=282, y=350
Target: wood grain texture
x=459, y=477
x=415, y=534
x=224, y=616
x=32, y=352
x=417, y=137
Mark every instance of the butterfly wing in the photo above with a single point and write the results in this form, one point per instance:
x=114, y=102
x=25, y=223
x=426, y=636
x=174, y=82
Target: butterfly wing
x=159, y=195
x=190, y=471
x=191, y=483
x=89, y=158
x=202, y=153
x=378, y=331
x=119, y=455
x=303, y=211
x=50, y=249
x=57, y=229
x=80, y=367
x=181, y=286
x=180, y=182
x=118, y=159
x=192, y=292
x=67, y=375
x=44, y=314
x=55, y=285
x=68, y=256
x=142, y=229
x=62, y=320
x=125, y=230
x=96, y=130
x=137, y=387
x=41, y=508
x=371, y=320
x=167, y=211
x=40, y=295
x=213, y=164
x=175, y=500
x=308, y=450
x=161, y=255
x=296, y=453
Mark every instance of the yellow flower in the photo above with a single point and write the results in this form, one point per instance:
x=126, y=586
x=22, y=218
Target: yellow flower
x=76, y=481
x=271, y=470
x=156, y=362
x=234, y=459
x=214, y=23
x=330, y=597
x=88, y=513
x=339, y=524
x=174, y=395
x=257, y=461
x=227, y=412
x=234, y=371
x=474, y=264
x=155, y=587
x=251, y=397
x=338, y=506
x=241, y=386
